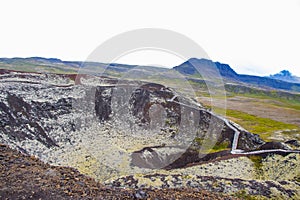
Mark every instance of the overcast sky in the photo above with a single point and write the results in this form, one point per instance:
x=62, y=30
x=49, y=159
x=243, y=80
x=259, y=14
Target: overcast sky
x=255, y=37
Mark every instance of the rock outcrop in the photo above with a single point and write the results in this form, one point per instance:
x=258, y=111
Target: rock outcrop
x=147, y=125
x=131, y=133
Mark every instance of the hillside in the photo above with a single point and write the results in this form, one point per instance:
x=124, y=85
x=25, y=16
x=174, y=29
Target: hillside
x=53, y=65
x=50, y=182
x=145, y=130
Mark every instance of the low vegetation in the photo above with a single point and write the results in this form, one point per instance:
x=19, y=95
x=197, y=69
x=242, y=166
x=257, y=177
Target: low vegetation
x=265, y=127
x=224, y=145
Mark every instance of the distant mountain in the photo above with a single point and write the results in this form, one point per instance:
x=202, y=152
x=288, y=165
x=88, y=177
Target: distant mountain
x=285, y=75
x=283, y=80
x=39, y=64
x=229, y=75
x=189, y=68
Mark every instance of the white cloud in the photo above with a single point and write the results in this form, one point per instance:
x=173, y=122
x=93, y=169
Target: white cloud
x=262, y=36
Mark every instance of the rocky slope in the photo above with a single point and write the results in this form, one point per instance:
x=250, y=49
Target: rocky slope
x=109, y=129
x=25, y=177
x=274, y=177
x=43, y=112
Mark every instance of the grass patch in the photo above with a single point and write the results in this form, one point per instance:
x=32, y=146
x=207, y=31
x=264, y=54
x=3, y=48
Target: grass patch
x=265, y=127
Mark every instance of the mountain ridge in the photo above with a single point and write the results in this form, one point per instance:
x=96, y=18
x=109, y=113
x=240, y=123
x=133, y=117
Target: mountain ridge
x=228, y=75
x=286, y=75
x=186, y=68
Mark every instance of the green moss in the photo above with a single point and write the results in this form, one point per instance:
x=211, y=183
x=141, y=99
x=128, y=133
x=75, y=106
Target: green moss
x=258, y=166
x=221, y=146
x=199, y=141
x=168, y=122
x=185, y=177
x=257, y=160
x=225, y=145
x=244, y=195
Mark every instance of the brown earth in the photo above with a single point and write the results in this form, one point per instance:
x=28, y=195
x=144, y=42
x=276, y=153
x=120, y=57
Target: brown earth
x=26, y=177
